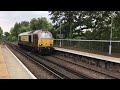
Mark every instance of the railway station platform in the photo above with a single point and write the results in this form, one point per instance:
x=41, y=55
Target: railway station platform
x=96, y=56
x=11, y=67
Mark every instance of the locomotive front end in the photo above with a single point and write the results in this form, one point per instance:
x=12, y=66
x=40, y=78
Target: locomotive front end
x=45, y=39
x=45, y=42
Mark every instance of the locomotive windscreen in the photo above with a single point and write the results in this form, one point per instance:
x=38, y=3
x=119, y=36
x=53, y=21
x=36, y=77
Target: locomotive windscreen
x=46, y=35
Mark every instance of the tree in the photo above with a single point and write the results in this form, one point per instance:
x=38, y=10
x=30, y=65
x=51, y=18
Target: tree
x=1, y=32
x=76, y=22
x=70, y=20
x=7, y=34
x=24, y=26
x=40, y=23
x=18, y=28
x=15, y=30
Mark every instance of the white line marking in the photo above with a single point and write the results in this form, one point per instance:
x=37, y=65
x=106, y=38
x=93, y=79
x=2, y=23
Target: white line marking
x=22, y=64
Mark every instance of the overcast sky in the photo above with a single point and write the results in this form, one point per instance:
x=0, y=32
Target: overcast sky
x=9, y=18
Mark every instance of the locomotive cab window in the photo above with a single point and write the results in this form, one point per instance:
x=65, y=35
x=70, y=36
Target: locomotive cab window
x=46, y=35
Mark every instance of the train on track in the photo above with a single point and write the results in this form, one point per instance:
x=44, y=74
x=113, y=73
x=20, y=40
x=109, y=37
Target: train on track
x=38, y=41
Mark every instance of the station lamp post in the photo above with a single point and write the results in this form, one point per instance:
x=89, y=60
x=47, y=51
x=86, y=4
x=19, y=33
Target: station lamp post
x=60, y=36
x=60, y=33
x=110, y=45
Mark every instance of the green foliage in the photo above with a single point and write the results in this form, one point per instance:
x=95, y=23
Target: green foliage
x=9, y=38
x=24, y=26
x=6, y=34
x=1, y=32
x=74, y=24
x=13, y=38
x=20, y=27
x=40, y=23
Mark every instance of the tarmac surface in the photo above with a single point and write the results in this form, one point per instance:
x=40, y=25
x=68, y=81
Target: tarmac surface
x=11, y=67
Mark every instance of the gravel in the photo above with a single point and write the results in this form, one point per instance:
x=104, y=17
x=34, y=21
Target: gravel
x=117, y=75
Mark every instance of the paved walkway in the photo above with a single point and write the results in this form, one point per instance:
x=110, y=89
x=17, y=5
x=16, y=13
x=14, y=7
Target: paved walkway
x=10, y=67
x=3, y=68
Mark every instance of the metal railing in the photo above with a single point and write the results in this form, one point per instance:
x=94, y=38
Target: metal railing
x=90, y=45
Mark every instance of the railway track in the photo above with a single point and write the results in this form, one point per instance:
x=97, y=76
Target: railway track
x=63, y=60
x=81, y=75
x=15, y=47
x=65, y=69
x=58, y=70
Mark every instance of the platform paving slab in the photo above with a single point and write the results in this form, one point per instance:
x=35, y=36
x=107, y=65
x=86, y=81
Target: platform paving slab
x=14, y=69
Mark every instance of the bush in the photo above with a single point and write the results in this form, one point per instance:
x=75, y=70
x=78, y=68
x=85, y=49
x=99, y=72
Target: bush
x=14, y=38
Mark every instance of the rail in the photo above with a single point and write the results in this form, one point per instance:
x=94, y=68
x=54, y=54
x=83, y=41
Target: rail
x=67, y=74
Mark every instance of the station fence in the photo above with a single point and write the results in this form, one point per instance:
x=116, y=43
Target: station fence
x=90, y=45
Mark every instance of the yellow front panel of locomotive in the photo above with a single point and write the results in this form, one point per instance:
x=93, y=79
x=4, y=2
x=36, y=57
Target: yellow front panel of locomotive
x=45, y=42
x=39, y=42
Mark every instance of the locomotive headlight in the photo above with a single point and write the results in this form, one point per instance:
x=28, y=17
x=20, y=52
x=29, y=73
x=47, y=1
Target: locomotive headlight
x=40, y=44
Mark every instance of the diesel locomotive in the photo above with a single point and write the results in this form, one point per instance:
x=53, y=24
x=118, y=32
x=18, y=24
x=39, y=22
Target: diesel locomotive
x=39, y=41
